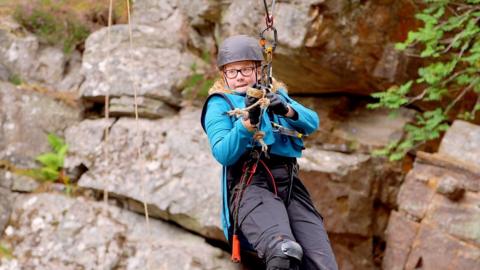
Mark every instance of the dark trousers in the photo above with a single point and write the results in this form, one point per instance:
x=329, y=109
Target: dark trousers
x=265, y=219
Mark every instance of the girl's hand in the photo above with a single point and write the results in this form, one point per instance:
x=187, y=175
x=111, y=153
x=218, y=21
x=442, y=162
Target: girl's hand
x=277, y=104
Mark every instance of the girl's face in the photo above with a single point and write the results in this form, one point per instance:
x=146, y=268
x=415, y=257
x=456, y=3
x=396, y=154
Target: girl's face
x=240, y=75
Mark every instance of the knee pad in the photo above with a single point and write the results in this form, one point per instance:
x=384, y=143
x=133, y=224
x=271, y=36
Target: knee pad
x=286, y=255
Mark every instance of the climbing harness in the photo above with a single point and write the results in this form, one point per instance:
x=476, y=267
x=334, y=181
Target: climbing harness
x=286, y=131
x=248, y=171
x=259, y=91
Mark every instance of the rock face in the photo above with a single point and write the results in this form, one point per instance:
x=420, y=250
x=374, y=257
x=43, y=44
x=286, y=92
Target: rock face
x=158, y=65
x=438, y=209
x=53, y=231
x=459, y=141
x=180, y=178
x=330, y=45
x=26, y=119
x=347, y=126
x=325, y=46
x=6, y=198
x=333, y=172
x=24, y=58
x=353, y=192
x=157, y=72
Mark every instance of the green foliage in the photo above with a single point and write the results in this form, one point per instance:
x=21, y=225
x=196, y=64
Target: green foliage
x=449, y=41
x=15, y=79
x=48, y=21
x=52, y=162
x=5, y=252
x=51, y=169
x=66, y=22
x=198, y=84
x=393, y=98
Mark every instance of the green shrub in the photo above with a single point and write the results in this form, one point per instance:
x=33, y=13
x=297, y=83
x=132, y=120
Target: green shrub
x=198, y=84
x=449, y=42
x=66, y=22
x=51, y=169
x=5, y=252
x=15, y=79
x=42, y=20
x=52, y=162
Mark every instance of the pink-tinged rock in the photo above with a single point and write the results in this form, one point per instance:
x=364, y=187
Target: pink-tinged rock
x=460, y=142
x=331, y=46
x=466, y=179
x=437, y=250
x=400, y=234
x=352, y=252
x=416, y=194
x=460, y=219
x=436, y=228
x=340, y=186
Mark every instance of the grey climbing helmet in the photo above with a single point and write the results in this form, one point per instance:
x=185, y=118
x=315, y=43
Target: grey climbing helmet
x=239, y=48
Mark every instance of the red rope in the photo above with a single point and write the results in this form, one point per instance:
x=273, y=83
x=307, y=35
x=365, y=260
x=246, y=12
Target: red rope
x=271, y=177
x=252, y=172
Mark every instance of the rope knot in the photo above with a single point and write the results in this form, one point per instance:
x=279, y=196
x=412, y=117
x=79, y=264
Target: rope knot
x=258, y=136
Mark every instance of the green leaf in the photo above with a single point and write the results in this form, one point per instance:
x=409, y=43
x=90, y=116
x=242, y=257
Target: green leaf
x=405, y=145
x=405, y=88
x=55, y=142
x=207, y=84
x=476, y=87
x=49, y=174
x=63, y=151
x=455, y=22
x=426, y=18
x=463, y=79
x=397, y=156
x=467, y=116
x=193, y=67
x=373, y=106
x=206, y=56
x=435, y=94
x=51, y=160
x=379, y=152
x=400, y=46
x=61, y=155
x=5, y=252
x=439, y=13
x=450, y=44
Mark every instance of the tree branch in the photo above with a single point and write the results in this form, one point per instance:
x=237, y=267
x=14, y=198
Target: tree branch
x=464, y=91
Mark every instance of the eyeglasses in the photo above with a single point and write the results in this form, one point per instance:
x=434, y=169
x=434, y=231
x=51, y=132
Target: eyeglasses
x=232, y=73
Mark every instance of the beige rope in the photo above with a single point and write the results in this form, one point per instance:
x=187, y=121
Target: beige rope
x=263, y=102
x=256, y=93
x=139, y=153
x=106, y=130
x=107, y=110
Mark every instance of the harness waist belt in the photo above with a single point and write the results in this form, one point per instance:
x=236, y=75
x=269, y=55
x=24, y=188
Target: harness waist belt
x=278, y=160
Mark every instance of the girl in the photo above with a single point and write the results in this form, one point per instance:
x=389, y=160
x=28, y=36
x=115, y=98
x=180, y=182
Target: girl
x=274, y=212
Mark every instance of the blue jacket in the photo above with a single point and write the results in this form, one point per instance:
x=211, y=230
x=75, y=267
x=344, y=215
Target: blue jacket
x=229, y=138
